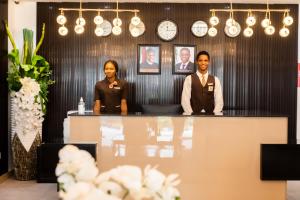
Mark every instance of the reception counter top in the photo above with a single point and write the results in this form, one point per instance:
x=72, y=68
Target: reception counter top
x=227, y=113
x=217, y=158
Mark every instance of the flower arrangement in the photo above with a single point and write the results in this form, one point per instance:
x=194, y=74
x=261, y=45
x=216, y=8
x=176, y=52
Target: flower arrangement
x=30, y=117
x=31, y=65
x=28, y=80
x=79, y=178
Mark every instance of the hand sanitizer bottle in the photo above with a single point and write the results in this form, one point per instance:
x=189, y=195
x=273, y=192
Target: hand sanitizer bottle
x=81, y=107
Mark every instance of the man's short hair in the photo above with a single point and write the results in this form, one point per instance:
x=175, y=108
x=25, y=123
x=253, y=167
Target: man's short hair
x=185, y=49
x=150, y=50
x=112, y=62
x=202, y=53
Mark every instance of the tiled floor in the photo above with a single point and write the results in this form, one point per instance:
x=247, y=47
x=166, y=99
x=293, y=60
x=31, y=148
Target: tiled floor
x=27, y=190
x=30, y=190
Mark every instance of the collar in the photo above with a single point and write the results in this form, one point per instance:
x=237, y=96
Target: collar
x=149, y=62
x=107, y=81
x=200, y=75
x=185, y=63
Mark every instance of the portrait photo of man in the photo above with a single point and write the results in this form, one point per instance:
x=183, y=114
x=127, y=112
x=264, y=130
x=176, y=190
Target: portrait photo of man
x=148, y=59
x=184, y=59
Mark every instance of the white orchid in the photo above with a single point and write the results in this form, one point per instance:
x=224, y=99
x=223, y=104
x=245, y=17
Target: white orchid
x=29, y=117
x=79, y=180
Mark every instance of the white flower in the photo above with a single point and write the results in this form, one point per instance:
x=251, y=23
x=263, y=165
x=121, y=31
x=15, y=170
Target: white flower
x=68, y=153
x=112, y=188
x=78, y=176
x=87, y=172
x=85, y=191
x=169, y=193
x=76, y=191
x=66, y=180
x=105, y=176
x=129, y=176
x=29, y=116
x=97, y=194
x=171, y=180
x=154, y=179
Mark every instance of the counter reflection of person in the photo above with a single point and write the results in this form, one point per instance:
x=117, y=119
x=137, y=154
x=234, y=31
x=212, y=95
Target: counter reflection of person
x=202, y=93
x=111, y=93
x=149, y=65
x=185, y=65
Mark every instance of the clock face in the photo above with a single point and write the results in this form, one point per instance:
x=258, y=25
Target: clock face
x=199, y=28
x=167, y=30
x=137, y=30
x=106, y=25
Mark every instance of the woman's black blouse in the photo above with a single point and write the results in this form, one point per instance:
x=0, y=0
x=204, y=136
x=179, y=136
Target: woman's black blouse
x=111, y=97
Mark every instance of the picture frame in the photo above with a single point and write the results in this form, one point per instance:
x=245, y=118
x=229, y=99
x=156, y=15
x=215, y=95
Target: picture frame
x=148, y=59
x=184, y=59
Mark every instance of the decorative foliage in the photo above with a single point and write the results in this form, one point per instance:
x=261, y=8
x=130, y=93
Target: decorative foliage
x=78, y=179
x=31, y=65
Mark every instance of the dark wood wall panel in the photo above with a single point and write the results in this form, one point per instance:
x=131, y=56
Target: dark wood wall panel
x=3, y=90
x=257, y=74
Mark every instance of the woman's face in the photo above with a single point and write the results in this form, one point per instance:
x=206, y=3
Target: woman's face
x=110, y=70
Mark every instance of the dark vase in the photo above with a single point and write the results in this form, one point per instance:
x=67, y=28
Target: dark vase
x=25, y=162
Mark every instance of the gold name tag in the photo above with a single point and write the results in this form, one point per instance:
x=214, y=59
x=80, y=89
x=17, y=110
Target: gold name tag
x=117, y=88
x=210, y=83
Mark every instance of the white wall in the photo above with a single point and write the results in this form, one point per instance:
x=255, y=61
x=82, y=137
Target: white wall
x=22, y=15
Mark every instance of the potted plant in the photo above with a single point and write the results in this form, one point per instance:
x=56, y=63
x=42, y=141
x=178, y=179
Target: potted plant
x=28, y=79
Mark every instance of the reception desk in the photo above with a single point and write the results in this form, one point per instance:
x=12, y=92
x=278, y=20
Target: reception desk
x=217, y=158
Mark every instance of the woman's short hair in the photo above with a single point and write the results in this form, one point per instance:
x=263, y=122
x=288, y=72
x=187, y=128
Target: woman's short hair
x=112, y=62
x=202, y=53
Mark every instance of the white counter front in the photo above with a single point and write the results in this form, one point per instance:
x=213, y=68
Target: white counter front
x=217, y=158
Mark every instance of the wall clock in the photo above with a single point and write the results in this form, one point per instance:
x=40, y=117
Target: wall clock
x=137, y=30
x=106, y=25
x=167, y=30
x=199, y=28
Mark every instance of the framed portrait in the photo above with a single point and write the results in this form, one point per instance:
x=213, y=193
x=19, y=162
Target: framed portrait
x=184, y=59
x=148, y=59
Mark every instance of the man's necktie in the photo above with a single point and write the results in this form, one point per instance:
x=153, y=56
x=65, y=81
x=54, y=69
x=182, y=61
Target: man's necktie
x=203, y=81
x=182, y=66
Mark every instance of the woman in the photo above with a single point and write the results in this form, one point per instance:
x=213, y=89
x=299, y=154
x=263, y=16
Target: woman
x=111, y=93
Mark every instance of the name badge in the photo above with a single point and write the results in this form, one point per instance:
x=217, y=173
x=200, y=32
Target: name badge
x=210, y=83
x=210, y=88
x=117, y=88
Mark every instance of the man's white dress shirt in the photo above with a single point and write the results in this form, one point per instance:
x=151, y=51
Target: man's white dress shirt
x=186, y=94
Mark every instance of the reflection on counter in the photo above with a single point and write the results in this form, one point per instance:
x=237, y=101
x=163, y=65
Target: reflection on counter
x=111, y=130
x=167, y=151
x=159, y=136
x=165, y=129
x=187, y=133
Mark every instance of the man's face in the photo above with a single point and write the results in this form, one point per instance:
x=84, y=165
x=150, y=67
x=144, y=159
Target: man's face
x=151, y=57
x=110, y=70
x=203, y=63
x=185, y=55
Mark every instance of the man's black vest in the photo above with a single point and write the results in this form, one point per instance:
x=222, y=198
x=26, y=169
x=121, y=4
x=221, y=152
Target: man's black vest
x=202, y=97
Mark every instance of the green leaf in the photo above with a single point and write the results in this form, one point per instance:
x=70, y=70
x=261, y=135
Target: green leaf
x=37, y=59
x=26, y=67
x=28, y=44
x=13, y=56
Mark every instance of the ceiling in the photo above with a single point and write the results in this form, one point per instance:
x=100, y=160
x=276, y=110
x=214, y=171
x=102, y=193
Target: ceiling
x=183, y=1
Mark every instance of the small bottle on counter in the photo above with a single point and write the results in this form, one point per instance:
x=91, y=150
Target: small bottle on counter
x=81, y=107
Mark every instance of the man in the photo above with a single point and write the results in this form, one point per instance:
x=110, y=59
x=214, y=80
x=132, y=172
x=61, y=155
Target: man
x=185, y=65
x=149, y=65
x=202, y=93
